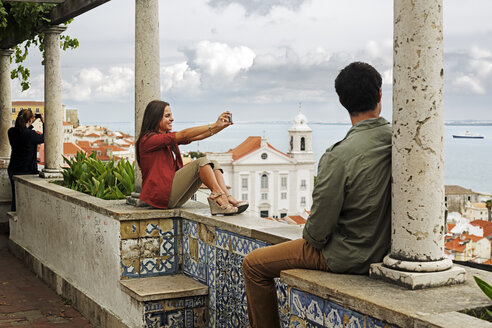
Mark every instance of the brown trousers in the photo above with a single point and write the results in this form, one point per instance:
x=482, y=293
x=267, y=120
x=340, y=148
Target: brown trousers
x=264, y=264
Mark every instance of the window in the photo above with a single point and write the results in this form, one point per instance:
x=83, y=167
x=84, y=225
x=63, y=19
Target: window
x=264, y=196
x=13, y=110
x=264, y=181
x=193, y=197
x=283, y=182
x=303, y=201
x=37, y=109
x=283, y=215
x=283, y=195
x=446, y=198
x=469, y=198
x=264, y=214
x=244, y=183
x=303, y=184
x=303, y=144
x=244, y=196
x=264, y=156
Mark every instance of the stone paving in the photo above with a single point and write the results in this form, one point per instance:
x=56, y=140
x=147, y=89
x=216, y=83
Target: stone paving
x=25, y=301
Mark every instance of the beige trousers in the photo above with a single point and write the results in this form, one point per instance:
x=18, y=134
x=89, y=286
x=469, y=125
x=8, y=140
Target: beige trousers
x=187, y=181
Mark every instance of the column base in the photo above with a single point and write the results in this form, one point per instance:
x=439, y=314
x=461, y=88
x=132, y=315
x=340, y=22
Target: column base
x=51, y=174
x=418, y=280
x=135, y=201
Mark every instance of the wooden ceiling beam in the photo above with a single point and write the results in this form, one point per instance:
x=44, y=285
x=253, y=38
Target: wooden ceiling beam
x=72, y=8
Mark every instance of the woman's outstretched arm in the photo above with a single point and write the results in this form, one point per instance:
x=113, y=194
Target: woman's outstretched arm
x=203, y=131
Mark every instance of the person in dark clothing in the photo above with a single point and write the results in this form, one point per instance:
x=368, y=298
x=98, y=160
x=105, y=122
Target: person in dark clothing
x=24, y=142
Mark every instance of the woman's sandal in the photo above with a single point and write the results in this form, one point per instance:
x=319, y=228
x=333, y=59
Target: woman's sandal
x=241, y=205
x=216, y=208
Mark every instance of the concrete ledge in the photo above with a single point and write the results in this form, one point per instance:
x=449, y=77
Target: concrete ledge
x=97, y=315
x=163, y=287
x=247, y=224
x=396, y=305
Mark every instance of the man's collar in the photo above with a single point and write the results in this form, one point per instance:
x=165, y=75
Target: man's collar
x=367, y=124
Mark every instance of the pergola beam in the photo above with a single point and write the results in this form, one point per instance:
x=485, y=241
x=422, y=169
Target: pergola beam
x=67, y=9
x=72, y=8
x=44, y=1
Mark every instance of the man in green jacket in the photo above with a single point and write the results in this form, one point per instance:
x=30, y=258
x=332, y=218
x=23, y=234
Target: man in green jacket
x=350, y=221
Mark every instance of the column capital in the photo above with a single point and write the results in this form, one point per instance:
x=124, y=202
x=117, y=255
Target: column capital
x=6, y=52
x=55, y=29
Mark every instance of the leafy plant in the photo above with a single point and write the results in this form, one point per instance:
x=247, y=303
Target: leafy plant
x=104, y=180
x=487, y=289
x=25, y=21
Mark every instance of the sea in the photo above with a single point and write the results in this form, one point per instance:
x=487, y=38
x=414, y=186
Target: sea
x=468, y=162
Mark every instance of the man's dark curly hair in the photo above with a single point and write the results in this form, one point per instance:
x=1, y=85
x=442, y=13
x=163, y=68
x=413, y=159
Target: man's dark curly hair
x=358, y=86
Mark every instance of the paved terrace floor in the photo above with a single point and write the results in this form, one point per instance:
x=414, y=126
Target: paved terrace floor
x=25, y=301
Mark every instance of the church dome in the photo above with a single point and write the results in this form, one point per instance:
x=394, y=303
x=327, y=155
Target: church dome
x=300, y=123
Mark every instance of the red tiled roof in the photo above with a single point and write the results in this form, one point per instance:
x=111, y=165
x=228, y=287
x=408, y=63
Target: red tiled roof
x=71, y=148
x=297, y=219
x=27, y=103
x=93, y=135
x=66, y=123
x=248, y=146
x=457, y=190
x=486, y=226
x=454, y=245
x=451, y=226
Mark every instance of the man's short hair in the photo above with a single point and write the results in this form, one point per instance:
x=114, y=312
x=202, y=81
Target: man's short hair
x=358, y=86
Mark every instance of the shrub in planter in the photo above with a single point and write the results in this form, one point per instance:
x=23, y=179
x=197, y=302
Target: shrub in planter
x=100, y=179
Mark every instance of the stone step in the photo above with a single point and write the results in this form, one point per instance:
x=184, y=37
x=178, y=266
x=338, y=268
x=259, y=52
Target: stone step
x=163, y=287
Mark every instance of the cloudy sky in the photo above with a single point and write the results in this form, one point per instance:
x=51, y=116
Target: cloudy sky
x=260, y=59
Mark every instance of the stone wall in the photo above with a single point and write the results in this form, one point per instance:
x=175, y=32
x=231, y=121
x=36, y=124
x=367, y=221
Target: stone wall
x=94, y=244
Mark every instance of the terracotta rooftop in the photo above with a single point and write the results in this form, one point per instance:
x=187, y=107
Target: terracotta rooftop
x=27, y=103
x=297, y=219
x=478, y=205
x=248, y=146
x=457, y=190
x=71, y=148
x=486, y=226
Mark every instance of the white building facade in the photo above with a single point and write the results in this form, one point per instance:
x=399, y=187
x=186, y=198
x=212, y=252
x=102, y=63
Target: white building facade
x=275, y=184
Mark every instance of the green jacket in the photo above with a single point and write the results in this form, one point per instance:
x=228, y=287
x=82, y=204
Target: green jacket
x=350, y=218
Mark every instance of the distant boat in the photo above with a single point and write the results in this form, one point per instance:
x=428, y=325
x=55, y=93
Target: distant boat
x=468, y=135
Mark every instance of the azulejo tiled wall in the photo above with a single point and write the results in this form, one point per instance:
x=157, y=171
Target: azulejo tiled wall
x=214, y=257
x=149, y=248
x=189, y=312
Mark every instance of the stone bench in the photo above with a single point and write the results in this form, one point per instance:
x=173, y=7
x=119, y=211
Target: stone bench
x=167, y=300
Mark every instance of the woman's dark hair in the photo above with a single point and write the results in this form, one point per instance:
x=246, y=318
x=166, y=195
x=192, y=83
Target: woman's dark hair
x=22, y=118
x=358, y=87
x=150, y=122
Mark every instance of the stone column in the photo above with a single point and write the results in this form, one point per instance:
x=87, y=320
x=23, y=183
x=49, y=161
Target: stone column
x=147, y=71
x=417, y=242
x=5, y=123
x=5, y=103
x=53, y=111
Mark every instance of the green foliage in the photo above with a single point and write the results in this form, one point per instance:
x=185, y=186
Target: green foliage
x=25, y=21
x=195, y=154
x=487, y=289
x=103, y=180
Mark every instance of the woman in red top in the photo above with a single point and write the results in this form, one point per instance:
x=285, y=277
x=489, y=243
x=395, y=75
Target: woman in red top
x=166, y=183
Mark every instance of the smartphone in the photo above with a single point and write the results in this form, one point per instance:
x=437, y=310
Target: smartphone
x=230, y=118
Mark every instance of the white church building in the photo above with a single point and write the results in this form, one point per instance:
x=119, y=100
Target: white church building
x=275, y=184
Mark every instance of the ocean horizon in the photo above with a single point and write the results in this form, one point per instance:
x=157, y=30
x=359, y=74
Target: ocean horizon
x=466, y=160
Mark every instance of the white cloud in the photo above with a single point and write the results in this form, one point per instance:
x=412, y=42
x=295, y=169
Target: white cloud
x=262, y=7
x=468, y=84
x=92, y=84
x=219, y=59
x=180, y=77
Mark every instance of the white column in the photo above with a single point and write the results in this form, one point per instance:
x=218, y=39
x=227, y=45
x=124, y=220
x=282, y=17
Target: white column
x=147, y=70
x=5, y=103
x=53, y=112
x=417, y=242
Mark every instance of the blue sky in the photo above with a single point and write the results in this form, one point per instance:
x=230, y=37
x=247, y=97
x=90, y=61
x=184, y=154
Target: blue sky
x=260, y=59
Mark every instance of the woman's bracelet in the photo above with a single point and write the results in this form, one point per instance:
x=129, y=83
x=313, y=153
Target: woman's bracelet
x=210, y=129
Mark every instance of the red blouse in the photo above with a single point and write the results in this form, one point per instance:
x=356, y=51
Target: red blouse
x=159, y=160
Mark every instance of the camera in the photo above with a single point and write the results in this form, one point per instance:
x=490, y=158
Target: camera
x=37, y=116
